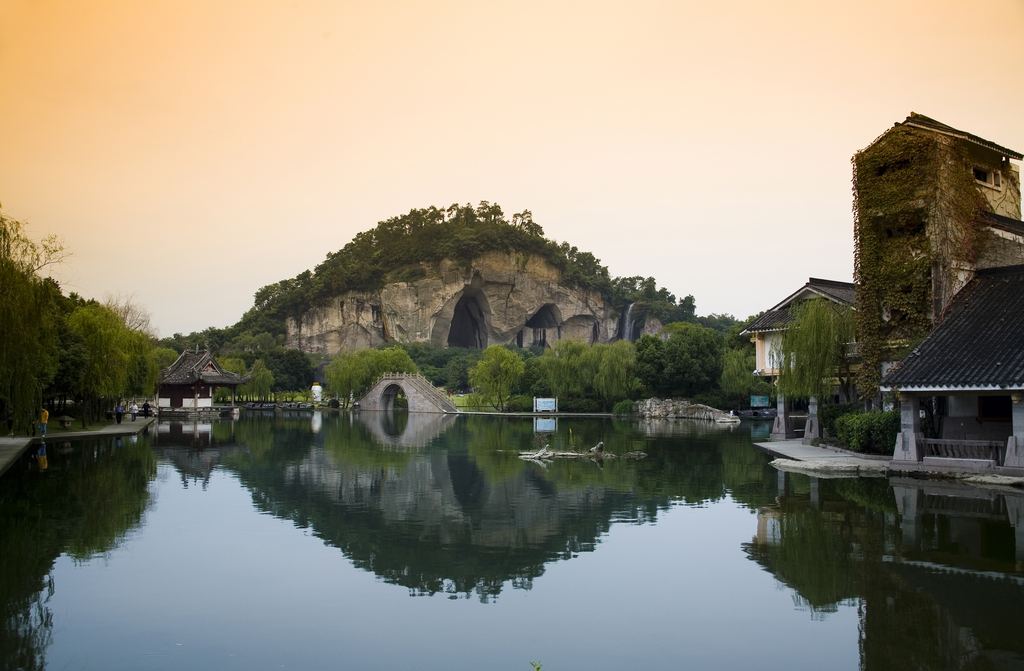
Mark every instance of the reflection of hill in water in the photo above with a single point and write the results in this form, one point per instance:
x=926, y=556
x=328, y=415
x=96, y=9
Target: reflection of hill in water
x=935, y=568
x=442, y=504
x=424, y=517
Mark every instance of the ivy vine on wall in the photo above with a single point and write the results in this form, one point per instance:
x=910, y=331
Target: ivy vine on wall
x=917, y=223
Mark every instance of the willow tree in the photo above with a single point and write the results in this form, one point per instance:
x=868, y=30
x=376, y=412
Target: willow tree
x=110, y=347
x=28, y=318
x=814, y=354
x=351, y=375
x=497, y=372
x=260, y=382
x=616, y=371
x=571, y=367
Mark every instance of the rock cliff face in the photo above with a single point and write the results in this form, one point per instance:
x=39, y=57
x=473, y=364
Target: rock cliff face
x=502, y=299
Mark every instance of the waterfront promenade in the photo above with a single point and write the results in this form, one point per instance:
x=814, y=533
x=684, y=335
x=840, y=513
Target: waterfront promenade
x=794, y=455
x=824, y=461
x=13, y=447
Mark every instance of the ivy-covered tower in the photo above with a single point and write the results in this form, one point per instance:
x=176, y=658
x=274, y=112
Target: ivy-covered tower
x=932, y=204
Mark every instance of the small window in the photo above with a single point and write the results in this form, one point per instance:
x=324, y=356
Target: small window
x=995, y=409
x=981, y=175
x=995, y=178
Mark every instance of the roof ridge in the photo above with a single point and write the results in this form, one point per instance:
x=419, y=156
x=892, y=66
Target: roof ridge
x=834, y=283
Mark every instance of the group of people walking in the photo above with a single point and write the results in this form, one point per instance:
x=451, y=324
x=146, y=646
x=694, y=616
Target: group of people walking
x=133, y=410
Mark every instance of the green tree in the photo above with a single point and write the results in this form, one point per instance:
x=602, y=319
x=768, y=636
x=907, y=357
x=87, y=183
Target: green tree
x=350, y=375
x=28, y=318
x=616, y=372
x=260, y=383
x=163, y=357
x=814, y=351
x=497, y=372
x=689, y=363
x=223, y=394
x=109, y=346
x=570, y=367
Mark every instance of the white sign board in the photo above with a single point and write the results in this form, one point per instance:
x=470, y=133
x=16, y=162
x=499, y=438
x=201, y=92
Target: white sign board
x=545, y=404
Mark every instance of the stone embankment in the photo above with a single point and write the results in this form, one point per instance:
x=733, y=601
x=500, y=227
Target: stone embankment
x=681, y=408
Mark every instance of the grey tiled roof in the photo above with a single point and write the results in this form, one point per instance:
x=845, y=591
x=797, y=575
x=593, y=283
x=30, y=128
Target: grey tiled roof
x=980, y=342
x=778, y=317
x=198, y=366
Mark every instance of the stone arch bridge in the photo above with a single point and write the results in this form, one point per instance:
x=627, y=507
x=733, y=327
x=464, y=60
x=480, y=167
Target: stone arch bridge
x=422, y=396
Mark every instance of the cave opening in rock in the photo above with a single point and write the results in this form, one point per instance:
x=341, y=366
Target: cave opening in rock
x=543, y=322
x=469, y=324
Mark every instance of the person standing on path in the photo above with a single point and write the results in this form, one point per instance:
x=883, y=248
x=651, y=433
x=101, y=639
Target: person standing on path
x=134, y=410
x=145, y=409
x=44, y=417
x=118, y=412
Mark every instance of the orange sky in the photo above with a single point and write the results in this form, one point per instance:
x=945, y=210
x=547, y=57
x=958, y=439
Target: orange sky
x=192, y=152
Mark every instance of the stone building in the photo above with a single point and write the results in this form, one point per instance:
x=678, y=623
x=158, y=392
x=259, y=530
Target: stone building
x=934, y=205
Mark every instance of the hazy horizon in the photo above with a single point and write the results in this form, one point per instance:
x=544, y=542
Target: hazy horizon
x=191, y=153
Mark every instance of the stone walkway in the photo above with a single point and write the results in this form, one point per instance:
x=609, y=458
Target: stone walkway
x=794, y=456
x=12, y=448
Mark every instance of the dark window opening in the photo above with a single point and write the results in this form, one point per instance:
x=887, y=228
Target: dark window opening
x=981, y=175
x=995, y=409
x=892, y=167
x=995, y=179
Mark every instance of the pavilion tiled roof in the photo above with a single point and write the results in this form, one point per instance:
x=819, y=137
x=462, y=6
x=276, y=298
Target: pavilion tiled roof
x=777, y=318
x=199, y=366
x=978, y=345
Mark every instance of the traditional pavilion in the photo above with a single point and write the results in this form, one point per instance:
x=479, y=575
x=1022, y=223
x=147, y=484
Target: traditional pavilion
x=973, y=362
x=188, y=383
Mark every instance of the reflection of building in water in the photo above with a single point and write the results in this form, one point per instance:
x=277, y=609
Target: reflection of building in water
x=946, y=523
x=934, y=569
x=195, y=448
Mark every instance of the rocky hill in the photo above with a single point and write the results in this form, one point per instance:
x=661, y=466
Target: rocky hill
x=459, y=276
x=500, y=298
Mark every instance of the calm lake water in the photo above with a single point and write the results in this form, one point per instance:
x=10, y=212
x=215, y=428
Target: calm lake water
x=309, y=541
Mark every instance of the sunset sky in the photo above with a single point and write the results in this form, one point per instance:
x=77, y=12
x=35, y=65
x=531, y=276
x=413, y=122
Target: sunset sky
x=192, y=152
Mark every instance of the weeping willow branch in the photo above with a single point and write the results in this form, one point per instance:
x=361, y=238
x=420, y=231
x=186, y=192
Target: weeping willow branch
x=813, y=353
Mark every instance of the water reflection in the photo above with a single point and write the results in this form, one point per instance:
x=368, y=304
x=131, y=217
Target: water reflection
x=82, y=505
x=442, y=505
x=934, y=569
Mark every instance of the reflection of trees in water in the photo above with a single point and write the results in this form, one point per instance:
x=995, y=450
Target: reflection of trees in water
x=82, y=505
x=457, y=511
x=921, y=607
